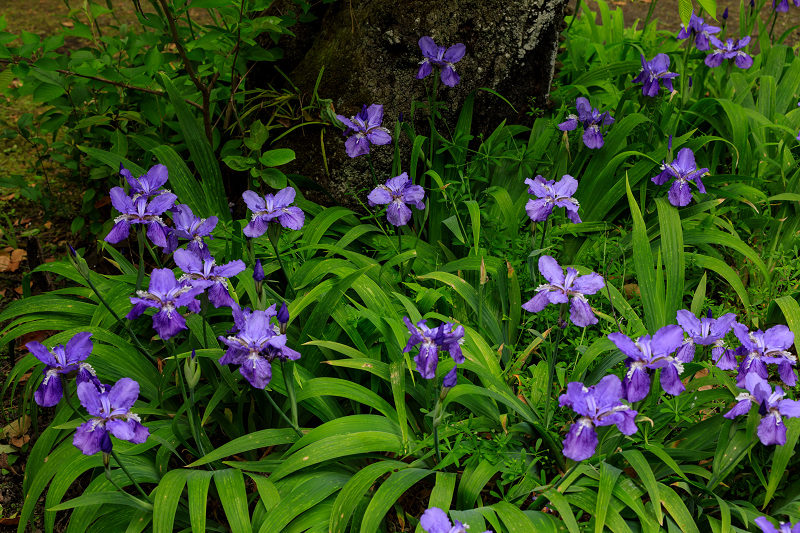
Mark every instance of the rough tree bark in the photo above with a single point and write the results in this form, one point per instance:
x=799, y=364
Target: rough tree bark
x=369, y=52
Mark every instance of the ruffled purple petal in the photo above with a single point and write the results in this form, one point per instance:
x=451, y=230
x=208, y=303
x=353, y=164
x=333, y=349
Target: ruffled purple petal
x=580, y=312
x=671, y=380
x=119, y=232
x=434, y=520
x=581, y=441
x=90, y=439
x=292, y=218
x=50, y=391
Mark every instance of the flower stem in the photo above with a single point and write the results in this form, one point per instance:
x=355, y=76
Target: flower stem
x=135, y=484
x=551, y=367
x=283, y=415
x=544, y=234
x=436, y=444
x=372, y=169
x=140, y=276
x=288, y=379
x=275, y=246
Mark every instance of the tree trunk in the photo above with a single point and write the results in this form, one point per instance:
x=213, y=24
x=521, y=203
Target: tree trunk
x=370, y=55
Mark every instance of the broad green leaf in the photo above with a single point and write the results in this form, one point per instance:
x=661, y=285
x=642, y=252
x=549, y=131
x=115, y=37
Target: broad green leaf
x=169, y=491
x=232, y=494
x=652, y=301
x=339, y=446
x=672, y=251
x=642, y=467
x=355, y=490
x=387, y=495
x=304, y=496
x=608, y=478
x=197, y=486
x=104, y=498
x=677, y=509
x=251, y=441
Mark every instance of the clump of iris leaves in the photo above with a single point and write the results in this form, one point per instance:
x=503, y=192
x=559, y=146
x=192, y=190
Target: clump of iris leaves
x=583, y=325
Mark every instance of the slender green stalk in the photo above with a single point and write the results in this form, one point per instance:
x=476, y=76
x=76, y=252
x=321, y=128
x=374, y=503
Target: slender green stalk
x=275, y=246
x=287, y=369
x=140, y=275
x=153, y=254
x=436, y=444
x=772, y=28
x=135, y=484
x=544, y=234
x=282, y=414
x=372, y=169
x=551, y=367
x=203, y=313
x=541, y=501
x=189, y=405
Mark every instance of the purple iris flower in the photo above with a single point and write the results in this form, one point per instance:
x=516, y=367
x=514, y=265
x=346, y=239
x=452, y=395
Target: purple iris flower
x=451, y=378
x=781, y=7
x=563, y=288
x=550, y=194
x=434, y=520
x=366, y=129
x=730, y=49
x=140, y=211
x=446, y=337
x=443, y=58
x=283, y=317
x=147, y=185
x=766, y=347
x=771, y=406
x=592, y=120
x=193, y=228
x=62, y=360
x=598, y=405
x=704, y=331
x=111, y=413
x=651, y=353
x=682, y=169
x=255, y=344
x=398, y=192
x=653, y=72
x=167, y=295
x=272, y=207
x=258, y=271
x=785, y=527
x=700, y=30
x=198, y=272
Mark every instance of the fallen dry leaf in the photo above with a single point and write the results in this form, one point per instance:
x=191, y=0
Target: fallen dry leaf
x=20, y=441
x=48, y=225
x=8, y=197
x=9, y=521
x=18, y=427
x=38, y=336
x=5, y=263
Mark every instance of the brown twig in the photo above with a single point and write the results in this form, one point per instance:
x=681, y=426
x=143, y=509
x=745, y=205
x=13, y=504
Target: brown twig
x=205, y=91
x=111, y=82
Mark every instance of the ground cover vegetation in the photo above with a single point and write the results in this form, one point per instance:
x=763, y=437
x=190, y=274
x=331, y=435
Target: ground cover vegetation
x=587, y=324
